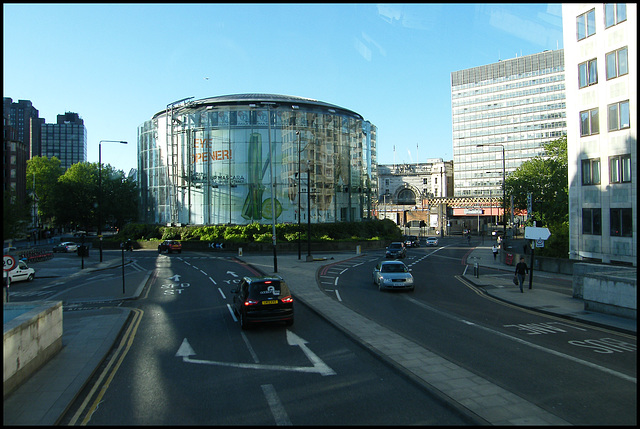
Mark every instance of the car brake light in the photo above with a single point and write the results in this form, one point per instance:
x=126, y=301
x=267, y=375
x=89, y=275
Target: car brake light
x=250, y=302
x=287, y=299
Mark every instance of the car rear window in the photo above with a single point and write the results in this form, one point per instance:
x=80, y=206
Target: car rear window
x=393, y=268
x=268, y=290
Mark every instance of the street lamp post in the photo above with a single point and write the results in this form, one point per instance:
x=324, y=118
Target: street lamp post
x=299, y=193
x=504, y=189
x=100, y=189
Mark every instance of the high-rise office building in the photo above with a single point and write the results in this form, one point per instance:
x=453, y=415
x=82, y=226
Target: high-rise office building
x=502, y=115
x=601, y=54
x=25, y=120
x=14, y=163
x=66, y=140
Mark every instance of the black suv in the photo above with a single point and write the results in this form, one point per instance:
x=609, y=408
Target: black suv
x=396, y=249
x=411, y=241
x=262, y=299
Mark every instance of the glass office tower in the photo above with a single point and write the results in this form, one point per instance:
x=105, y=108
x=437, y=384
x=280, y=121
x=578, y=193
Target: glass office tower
x=222, y=160
x=516, y=105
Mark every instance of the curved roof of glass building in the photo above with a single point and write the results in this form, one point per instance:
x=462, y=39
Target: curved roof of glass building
x=244, y=99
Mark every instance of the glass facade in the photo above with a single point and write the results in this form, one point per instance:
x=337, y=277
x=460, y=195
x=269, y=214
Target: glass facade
x=213, y=161
x=516, y=105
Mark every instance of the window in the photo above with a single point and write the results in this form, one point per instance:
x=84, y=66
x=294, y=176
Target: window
x=614, y=14
x=620, y=223
x=620, y=169
x=592, y=221
x=617, y=64
x=590, y=171
x=589, y=122
x=586, y=24
x=588, y=73
x=619, y=115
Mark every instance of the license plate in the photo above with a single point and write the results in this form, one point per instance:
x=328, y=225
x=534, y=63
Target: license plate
x=272, y=301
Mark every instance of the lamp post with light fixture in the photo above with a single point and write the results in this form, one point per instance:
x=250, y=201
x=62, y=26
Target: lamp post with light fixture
x=100, y=189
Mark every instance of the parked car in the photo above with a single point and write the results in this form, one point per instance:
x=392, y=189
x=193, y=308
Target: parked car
x=392, y=275
x=411, y=241
x=21, y=272
x=170, y=246
x=432, y=241
x=80, y=234
x=396, y=250
x=262, y=299
x=67, y=246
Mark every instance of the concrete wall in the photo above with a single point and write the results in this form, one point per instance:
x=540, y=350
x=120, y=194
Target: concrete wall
x=32, y=336
x=606, y=288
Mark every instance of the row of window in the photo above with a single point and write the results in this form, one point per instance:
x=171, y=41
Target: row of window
x=614, y=13
x=618, y=118
x=620, y=222
x=619, y=170
x=493, y=88
x=616, y=65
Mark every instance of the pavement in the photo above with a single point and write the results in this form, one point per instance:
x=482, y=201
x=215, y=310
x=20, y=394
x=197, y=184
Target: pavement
x=89, y=335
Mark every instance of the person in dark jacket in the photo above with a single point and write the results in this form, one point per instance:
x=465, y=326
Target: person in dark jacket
x=521, y=270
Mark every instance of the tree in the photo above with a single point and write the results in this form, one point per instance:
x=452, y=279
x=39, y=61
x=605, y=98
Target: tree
x=76, y=195
x=546, y=178
x=16, y=214
x=119, y=198
x=44, y=173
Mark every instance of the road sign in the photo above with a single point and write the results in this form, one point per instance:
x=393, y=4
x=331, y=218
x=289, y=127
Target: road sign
x=539, y=242
x=8, y=263
x=535, y=233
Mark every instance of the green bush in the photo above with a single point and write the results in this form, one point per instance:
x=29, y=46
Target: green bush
x=373, y=229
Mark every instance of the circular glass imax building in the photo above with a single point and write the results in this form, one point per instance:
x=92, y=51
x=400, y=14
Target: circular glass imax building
x=221, y=160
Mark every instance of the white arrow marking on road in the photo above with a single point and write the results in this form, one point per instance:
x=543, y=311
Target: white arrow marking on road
x=232, y=273
x=175, y=278
x=295, y=340
x=319, y=366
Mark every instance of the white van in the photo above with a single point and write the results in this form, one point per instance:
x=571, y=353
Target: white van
x=20, y=273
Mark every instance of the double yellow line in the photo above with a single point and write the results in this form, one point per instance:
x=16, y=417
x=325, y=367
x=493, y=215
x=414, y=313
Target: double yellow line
x=108, y=373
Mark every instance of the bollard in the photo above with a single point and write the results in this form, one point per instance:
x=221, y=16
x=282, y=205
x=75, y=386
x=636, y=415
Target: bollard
x=239, y=251
x=358, y=249
x=476, y=270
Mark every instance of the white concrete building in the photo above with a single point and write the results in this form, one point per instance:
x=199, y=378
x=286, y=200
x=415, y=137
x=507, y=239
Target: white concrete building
x=502, y=115
x=600, y=45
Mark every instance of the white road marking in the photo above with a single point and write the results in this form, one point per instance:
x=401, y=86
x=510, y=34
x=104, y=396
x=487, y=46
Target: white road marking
x=222, y=293
x=214, y=282
x=535, y=346
x=338, y=295
x=231, y=311
x=277, y=410
x=254, y=356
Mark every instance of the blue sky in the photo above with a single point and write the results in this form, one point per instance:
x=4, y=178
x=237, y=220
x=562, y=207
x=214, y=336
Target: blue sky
x=117, y=65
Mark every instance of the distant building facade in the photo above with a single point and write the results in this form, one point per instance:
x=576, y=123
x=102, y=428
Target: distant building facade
x=66, y=140
x=408, y=192
x=513, y=107
x=25, y=120
x=601, y=54
x=14, y=163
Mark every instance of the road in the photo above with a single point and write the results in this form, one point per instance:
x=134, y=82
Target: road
x=190, y=363
x=582, y=374
x=185, y=360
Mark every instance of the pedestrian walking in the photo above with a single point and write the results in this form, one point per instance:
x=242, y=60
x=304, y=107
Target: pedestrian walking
x=494, y=249
x=521, y=270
